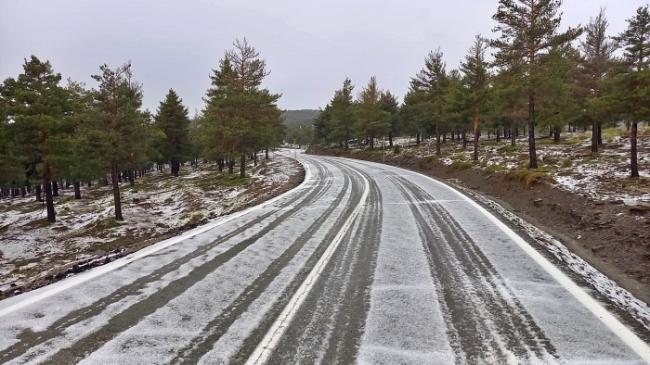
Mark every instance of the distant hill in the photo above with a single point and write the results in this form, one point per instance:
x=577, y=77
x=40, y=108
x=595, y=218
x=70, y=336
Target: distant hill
x=302, y=116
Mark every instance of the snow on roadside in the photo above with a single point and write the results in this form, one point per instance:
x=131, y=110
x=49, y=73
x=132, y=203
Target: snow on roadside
x=157, y=206
x=604, y=285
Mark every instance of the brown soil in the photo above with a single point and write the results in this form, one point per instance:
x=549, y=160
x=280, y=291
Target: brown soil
x=610, y=236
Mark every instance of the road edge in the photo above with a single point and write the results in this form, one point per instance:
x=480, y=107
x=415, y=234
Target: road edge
x=628, y=336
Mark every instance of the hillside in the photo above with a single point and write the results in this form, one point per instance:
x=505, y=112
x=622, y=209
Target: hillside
x=300, y=116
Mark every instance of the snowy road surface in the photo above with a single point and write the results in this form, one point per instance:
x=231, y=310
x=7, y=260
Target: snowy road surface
x=362, y=263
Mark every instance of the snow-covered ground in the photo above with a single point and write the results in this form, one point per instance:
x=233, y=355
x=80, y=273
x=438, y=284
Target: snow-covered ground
x=158, y=205
x=569, y=163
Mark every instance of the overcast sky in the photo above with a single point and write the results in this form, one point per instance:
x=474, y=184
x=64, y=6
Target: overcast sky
x=309, y=46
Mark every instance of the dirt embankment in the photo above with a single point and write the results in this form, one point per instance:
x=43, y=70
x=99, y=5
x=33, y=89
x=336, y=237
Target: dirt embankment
x=611, y=236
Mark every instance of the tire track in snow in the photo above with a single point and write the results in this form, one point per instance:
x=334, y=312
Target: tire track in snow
x=251, y=342
x=136, y=311
x=213, y=331
x=329, y=326
x=476, y=300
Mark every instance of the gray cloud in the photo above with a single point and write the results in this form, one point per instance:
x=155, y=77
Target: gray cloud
x=309, y=46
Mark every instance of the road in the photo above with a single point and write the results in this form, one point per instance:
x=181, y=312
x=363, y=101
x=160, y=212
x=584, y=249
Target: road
x=362, y=263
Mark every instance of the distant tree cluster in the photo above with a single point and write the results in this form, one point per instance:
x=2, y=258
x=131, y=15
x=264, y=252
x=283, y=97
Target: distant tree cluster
x=372, y=115
x=539, y=77
x=55, y=136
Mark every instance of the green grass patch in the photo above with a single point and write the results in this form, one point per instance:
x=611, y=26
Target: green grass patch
x=214, y=181
x=495, y=168
x=431, y=159
x=508, y=149
x=107, y=223
x=231, y=180
x=195, y=219
x=609, y=133
x=461, y=165
x=527, y=176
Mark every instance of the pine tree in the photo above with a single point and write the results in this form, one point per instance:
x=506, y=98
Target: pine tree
x=119, y=125
x=372, y=121
x=172, y=119
x=528, y=29
x=342, y=115
x=557, y=90
x=596, y=64
x=38, y=106
x=84, y=163
x=241, y=117
x=389, y=105
x=432, y=81
x=476, y=81
x=416, y=111
x=633, y=88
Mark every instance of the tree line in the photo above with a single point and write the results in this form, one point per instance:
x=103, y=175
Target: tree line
x=537, y=77
x=55, y=136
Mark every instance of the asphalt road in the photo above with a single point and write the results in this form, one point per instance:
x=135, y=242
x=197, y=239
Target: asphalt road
x=362, y=263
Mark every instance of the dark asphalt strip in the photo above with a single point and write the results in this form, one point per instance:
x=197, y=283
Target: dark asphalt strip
x=250, y=343
x=136, y=312
x=472, y=273
x=331, y=320
x=213, y=331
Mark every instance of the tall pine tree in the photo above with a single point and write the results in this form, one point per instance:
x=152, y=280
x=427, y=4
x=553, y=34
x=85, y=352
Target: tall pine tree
x=528, y=29
x=38, y=106
x=172, y=119
x=476, y=81
x=633, y=88
x=596, y=63
x=119, y=124
x=432, y=82
x=371, y=120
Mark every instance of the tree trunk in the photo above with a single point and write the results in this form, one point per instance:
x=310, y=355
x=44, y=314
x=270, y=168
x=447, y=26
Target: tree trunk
x=532, y=152
x=477, y=135
x=634, y=167
x=55, y=188
x=266, y=154
x=131, y=177
x=77, y=190
x=437, y=140
x=594, y=137
x=37, y=190
x=464, y=138
x=115, y=174
x=255, y=159
x=600, y=135
x=49, y=196
x=242, y=166
x=372, y=142
x=513, y=133
x=417, y=138
x=175, y=167
x=220, y=164
x=556, y=134
x=231, y=166
x=390, y=139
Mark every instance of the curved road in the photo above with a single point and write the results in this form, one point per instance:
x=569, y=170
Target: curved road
x=362, y=263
